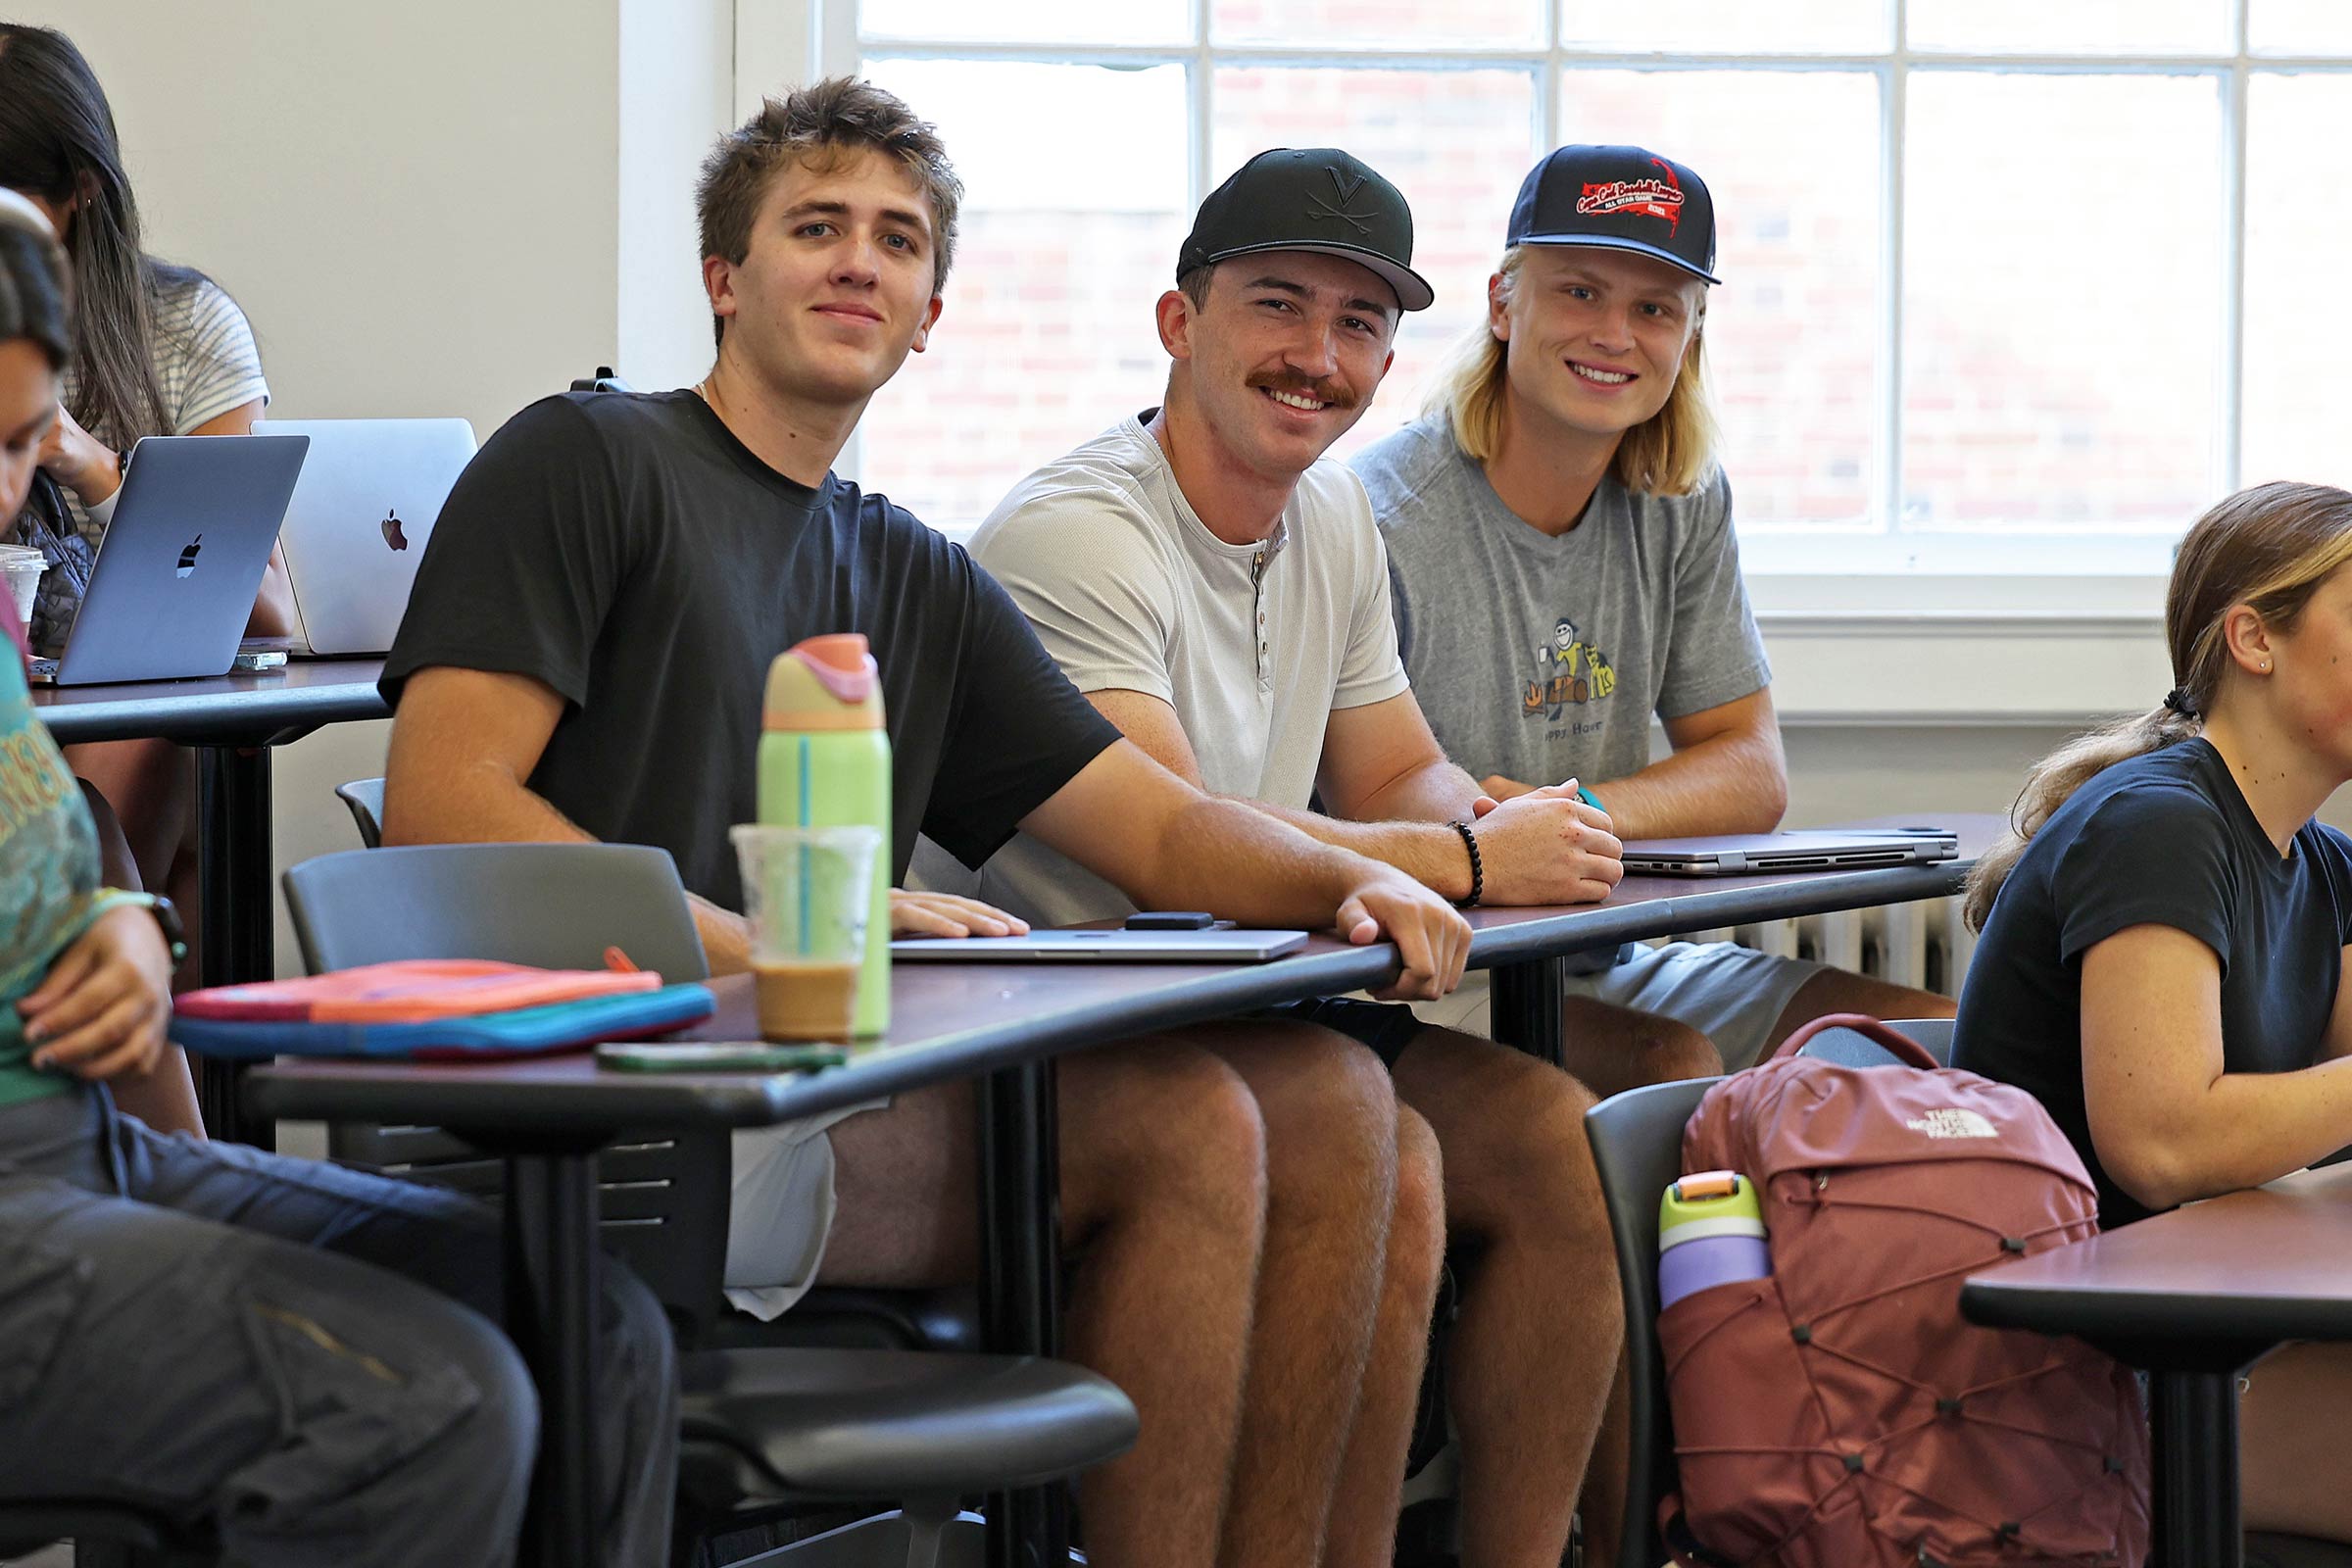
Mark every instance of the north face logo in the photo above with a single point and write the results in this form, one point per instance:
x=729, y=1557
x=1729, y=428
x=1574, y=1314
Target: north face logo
x=1953, y=1124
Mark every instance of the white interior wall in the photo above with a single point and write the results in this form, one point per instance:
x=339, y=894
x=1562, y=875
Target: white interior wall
x=430, y=208
x=452, y=208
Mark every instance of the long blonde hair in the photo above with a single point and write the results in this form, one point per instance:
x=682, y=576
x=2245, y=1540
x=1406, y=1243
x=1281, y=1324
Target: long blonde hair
x=2268, y=547
x=1671, y=453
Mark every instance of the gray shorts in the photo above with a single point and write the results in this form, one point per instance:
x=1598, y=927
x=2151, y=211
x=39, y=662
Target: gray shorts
x=1731, y=993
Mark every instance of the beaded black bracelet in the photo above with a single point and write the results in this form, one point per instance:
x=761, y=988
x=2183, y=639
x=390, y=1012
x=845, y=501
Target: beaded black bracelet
x=1478, y=869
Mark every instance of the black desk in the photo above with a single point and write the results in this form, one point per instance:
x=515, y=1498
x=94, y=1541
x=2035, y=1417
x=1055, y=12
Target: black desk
x=231, y=721
x=1003, y=1024
x=2193, y=1298
x=546, y=1118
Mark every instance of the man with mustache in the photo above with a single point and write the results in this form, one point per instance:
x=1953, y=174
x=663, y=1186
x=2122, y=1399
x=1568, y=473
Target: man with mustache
x=583, y=657
x=1222, y=596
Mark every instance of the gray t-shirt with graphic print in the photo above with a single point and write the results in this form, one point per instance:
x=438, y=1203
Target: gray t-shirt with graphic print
x=1542, y=658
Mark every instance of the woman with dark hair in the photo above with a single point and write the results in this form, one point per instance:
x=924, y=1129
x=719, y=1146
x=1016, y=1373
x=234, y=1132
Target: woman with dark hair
x=299, y=1358
x=157, y=350
x=2165, y=932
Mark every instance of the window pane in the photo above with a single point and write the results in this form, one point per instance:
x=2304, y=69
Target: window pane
x=1352, y=25
x=2072, y=27
x=2299, y=142
x=2061, y=301
x=2300, y=26
x=1455, y=142
x=1726, y=26
x=1792, y=159
x=1073, y=21
x=1046, y=336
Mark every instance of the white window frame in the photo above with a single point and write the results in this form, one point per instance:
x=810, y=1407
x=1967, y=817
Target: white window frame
x=1798, y=578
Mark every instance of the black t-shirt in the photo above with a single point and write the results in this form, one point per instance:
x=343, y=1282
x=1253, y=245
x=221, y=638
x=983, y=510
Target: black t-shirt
x=631, y=553
x=2164, y=839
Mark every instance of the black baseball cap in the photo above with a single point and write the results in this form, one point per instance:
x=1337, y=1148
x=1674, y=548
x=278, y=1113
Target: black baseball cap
x=1309, y=199
x=1618, y=199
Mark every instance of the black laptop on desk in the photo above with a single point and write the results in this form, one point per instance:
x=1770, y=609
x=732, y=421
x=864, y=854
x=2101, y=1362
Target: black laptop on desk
x=1797, y=850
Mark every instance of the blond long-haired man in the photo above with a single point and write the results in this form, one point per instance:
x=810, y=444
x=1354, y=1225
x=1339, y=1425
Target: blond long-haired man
x=1561, y=550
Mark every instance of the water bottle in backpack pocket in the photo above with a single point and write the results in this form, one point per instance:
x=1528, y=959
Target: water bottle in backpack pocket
x=1710, y=1232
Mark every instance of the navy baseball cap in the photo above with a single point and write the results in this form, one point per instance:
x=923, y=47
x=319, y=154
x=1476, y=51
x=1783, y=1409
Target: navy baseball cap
x=1618, y=199
x=1310, y=199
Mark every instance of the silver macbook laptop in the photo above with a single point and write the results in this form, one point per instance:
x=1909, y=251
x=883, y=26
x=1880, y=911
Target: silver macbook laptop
x=181, y=560
x=1798, y=850
x=370, y=496
x=1103, y=947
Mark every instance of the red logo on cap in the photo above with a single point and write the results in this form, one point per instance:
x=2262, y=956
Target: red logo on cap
x=1648, y=197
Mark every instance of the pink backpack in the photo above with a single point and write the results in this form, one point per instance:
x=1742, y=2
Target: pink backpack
x=1841, y=1413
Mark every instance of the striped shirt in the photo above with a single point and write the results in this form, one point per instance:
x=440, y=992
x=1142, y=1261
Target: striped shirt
x=205, y=360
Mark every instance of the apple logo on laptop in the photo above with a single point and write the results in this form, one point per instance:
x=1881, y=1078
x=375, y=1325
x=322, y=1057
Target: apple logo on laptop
x=187, y=556
x=392, y=531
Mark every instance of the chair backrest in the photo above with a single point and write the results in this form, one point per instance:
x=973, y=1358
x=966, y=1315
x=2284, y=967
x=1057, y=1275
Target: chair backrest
x=559, y=906
x=1849, y=1048
x=663, y=1197
x=1636, y=1142
x=365, y=798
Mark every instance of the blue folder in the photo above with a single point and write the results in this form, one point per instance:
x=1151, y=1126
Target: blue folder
x=523, y=1032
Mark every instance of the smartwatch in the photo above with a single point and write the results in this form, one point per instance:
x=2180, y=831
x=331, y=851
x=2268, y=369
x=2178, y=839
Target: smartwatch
x=176, y=934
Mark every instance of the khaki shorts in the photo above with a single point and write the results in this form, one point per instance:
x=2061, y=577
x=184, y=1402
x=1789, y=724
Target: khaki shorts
x=1731, y=993
x=781, y=1210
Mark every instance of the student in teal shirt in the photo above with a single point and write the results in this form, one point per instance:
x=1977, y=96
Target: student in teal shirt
x=303, y=1359
x=76, y=980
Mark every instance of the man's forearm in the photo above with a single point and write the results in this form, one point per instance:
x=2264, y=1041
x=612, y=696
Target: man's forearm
x=1428, y=851
x=1237, y=862
x=1730, y=785
x=726, y=936
x=479, y=803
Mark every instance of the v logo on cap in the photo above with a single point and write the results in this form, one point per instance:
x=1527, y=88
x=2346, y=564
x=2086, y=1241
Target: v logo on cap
x=1276, y=202
x=1347, y=188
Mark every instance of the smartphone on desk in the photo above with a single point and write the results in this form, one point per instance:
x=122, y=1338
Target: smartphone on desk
x=697, y=1056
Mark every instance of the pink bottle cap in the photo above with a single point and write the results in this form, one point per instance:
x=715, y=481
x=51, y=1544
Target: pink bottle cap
x=828, y=682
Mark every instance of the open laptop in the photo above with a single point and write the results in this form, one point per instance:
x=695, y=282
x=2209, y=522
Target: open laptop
x=370, y=493
x=181, y=560
x=1798, y=850
x=1103, y=947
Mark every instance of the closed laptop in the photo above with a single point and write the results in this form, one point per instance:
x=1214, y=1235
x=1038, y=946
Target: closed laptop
x=1797, y=850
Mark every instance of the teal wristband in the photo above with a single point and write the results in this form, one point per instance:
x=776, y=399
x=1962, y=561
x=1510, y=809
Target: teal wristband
x=1590, y=799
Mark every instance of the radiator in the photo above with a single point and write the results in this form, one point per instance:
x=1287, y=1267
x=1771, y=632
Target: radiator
x=1925, y=945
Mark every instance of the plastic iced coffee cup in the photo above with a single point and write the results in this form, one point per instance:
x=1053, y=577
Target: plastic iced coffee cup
x=806, y=893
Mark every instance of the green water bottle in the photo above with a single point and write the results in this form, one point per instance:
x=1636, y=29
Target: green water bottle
x=824, y=761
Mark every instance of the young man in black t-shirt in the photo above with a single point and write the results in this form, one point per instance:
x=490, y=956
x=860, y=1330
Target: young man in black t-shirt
x=582, y=658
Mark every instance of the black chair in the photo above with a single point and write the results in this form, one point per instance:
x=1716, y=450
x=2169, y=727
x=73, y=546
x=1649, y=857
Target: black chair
x=921, y=1429
x=1637, y=1148
x=1850, y=1048
x=365, y=799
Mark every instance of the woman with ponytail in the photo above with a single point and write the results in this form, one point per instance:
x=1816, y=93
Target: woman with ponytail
x=2165, y=932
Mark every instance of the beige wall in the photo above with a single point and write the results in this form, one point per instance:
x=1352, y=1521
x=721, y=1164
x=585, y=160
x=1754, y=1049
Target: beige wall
x=426, y=208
